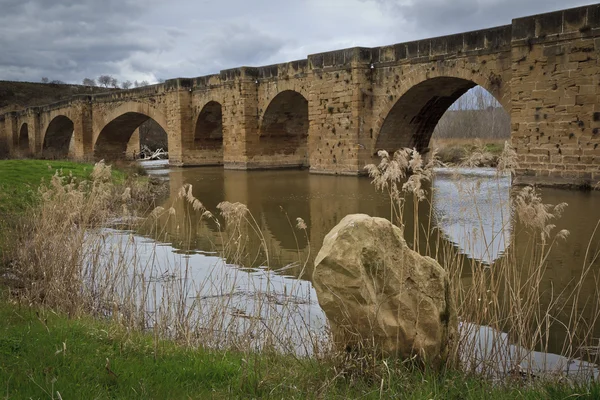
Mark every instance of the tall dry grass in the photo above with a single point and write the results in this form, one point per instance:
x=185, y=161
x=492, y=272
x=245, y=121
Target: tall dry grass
x=71, y=260
x=505, y=328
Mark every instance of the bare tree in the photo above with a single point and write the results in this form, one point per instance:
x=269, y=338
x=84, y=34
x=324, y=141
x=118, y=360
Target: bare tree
x=45, y=80
x=140, y=84
x=477, y=114
x=89, y=82
x=105, y=80
x=114, y=83
x=126, y=85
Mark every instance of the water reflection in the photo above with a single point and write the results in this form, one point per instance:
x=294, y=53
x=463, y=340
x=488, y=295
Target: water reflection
x=470, y=213
x=567, y=261
x=277, y=198
x=202, y=293
x=472, y=208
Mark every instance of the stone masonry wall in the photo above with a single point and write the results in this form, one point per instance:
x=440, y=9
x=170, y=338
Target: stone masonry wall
x=555, y=89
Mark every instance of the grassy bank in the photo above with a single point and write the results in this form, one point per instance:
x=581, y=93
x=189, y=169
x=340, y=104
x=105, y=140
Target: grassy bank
x=20, y=179
x=46, y=353
x=454, y=151
x=19, y=183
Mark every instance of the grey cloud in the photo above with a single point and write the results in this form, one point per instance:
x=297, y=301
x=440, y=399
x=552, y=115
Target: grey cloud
x=149, y=39
x=440, y=17
x=238, y=44
x=64, y=39
x=220, y=46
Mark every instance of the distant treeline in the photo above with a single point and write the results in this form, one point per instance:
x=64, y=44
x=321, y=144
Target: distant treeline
x=477, y=114
x=153, y=136
x=492, y=123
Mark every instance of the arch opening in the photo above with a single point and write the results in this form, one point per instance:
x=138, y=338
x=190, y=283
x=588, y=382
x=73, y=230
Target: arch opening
x=24, y=139
x=475, y=117
x=58, y=137
x=124, y=137
x=431, y=105
x=284, y=132
x=151, y=137
x=207, y=148
x=450, y=114
x=209, y=128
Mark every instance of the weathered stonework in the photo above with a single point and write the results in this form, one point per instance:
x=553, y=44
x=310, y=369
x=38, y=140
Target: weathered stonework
x=332, y=111
x=555, y=112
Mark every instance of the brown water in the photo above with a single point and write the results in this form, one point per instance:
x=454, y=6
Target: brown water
x=470, y=211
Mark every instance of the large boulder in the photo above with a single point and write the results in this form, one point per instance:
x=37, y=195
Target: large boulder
x=378, y=292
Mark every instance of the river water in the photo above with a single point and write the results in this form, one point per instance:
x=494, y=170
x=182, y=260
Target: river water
x=469, y=210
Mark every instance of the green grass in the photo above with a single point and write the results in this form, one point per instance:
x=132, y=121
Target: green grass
x=455, y=153
x=43, y=353
x=19, y=183
x=20, y=179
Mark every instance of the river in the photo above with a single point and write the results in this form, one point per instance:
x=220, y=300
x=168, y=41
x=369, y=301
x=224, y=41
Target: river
x=469, y=210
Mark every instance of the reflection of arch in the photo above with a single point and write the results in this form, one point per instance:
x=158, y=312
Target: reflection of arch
x=58, y=136
x=276, y=211
x=111, y=142
x=24, y=138
x=209, y=128
x=410, y=121
x=284, y=125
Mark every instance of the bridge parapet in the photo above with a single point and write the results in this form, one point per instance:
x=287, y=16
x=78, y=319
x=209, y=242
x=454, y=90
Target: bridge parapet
x=244, y=73
x=493, y=40
x=340, y=58
x=284, y=70
x=59, y=104
x=206, y=82
x=558, y=25
x=121, y=95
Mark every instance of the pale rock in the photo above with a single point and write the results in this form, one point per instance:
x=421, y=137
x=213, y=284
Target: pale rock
x=376, y=291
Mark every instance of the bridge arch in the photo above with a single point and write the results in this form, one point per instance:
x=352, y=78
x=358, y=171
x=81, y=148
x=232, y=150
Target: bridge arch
x=208, y=134
x=283, y=130
x=57, y=137
x=113, y=133
x=411, y=116
x=24, y=138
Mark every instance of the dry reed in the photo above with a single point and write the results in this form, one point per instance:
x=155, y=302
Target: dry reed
x=505, y=329
x=70, y=260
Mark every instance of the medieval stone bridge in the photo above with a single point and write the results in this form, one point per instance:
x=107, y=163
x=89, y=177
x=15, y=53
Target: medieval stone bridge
x=332, y=111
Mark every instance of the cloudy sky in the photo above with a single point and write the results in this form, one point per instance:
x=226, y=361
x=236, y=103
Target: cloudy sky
x=70, y=40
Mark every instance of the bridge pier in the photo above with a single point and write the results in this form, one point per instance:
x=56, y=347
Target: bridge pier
x=10, y=134
x=339, y=103
x=240, y=116
x=82, y=130
x=556, y=97
x=31, y=135
x=180, y=126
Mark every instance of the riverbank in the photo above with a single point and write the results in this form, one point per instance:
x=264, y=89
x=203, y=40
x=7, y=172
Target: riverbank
x=454, y=151
x=44, y=352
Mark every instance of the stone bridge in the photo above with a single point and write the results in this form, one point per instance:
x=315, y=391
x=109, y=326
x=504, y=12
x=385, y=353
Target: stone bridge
x=332, y=111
